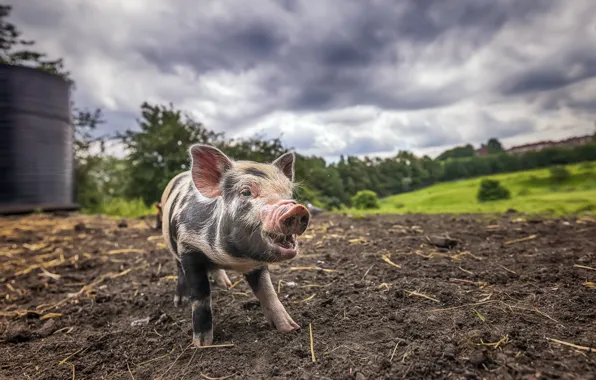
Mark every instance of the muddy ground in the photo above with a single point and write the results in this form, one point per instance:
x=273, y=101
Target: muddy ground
x=514, y=298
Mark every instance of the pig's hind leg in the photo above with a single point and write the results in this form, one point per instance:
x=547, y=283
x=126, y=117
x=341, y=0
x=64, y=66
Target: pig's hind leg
x=197, y=280
x=182, y=292
x=260, y=283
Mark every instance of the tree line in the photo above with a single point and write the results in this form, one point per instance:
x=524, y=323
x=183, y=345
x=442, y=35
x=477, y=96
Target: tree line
x=157, y=151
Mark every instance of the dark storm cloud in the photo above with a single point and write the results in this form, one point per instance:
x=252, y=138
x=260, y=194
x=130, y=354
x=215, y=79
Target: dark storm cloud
x=408, y=60
x=554, y=74
x=337, y=68
x=230, y=44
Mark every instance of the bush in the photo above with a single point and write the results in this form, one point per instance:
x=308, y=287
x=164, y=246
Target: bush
x=524, y=191
x=399, y=205
x=492, y=190
x=365, y=199
x=559, y=174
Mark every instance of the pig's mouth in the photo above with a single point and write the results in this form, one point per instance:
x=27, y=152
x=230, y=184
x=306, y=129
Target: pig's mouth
x=285, y=243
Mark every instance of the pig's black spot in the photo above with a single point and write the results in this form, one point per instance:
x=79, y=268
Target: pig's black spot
x=240, y=241
x=256, y=172
x=229, y=187
x=196, y=214
x=196, y=265
x=192, y=257
x=173, y=225
x=246, y=244
x=188, y=193
x=229, y=228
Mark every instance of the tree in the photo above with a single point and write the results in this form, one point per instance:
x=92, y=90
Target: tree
x=494, y=146
x=17, y=51
x=492, y=190
x=559, y=174
x=158, y=151
x=365, y=200
x=88, y=181
x=458, y=152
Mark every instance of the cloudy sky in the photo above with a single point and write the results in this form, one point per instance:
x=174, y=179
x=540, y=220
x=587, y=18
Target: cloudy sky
x=346, y=76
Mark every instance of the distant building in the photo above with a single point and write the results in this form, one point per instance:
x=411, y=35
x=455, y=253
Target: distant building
x=567, y=143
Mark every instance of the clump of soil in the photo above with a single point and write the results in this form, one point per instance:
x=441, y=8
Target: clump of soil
x=503, y=297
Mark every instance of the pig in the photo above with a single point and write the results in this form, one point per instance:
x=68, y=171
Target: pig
x=226, y=214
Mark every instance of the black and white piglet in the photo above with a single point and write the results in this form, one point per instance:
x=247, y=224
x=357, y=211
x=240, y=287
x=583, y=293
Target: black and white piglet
x=237, y=215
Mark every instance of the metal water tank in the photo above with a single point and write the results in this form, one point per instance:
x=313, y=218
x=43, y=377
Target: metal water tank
x=36, y=141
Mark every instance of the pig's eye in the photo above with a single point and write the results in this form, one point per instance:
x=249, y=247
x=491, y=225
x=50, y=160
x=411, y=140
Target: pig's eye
x=246, y=193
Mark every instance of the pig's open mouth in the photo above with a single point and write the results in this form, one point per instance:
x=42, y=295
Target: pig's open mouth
x=283, y=241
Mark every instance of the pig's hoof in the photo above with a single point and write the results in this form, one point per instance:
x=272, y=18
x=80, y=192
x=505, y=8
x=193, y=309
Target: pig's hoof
x=283, y=322
x=222, y=280
x=203, y=339
x=178, y=301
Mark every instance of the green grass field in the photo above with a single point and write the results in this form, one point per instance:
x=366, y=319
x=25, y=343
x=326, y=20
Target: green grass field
x=531, y=192
x=123, y=208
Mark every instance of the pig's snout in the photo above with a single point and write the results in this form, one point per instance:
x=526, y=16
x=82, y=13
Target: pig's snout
x=294, y=221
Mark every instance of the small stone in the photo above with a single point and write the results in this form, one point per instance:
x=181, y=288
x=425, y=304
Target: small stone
x=442, y=241
x=360, y=376
x=140, y=322
x=122, y=224
x=80, y=227
x=478, y=358
x=48, y=328
x=449, y=351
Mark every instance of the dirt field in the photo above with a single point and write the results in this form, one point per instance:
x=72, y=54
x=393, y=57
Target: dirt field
x=515, y=298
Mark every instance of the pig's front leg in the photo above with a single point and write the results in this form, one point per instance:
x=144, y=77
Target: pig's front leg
x=274, y=311
x=197, y=280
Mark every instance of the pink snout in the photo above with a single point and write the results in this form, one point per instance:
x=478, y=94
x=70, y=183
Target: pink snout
x=294, y=221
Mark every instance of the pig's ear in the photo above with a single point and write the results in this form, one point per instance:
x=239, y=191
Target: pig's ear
x=285, y=163
x=208, y=166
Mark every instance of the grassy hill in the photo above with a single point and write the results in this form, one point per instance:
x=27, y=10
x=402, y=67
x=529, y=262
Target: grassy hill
x=531, y=191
